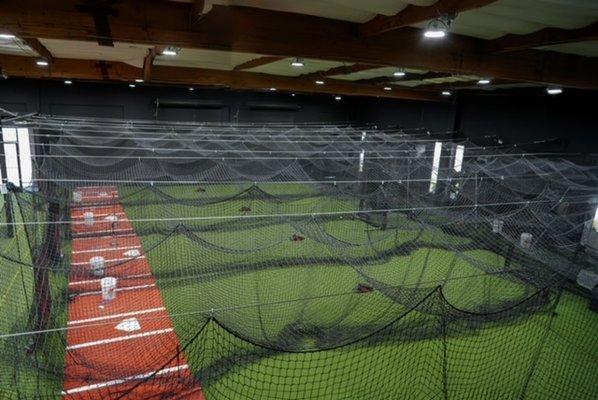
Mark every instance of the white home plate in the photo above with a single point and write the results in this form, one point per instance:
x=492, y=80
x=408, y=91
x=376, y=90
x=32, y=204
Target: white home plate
x=132, y=253
x=129, y=325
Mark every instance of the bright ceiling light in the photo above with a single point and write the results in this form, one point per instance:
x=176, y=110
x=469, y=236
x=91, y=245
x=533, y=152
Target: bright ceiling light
x=131, y=85
x=338, y=98
x=399, y=72
x=139, y=80
x=170, y=51
x=438, y=28
x=293, y=94
x=446, y=93
x=272, y=89
x=387, y=88
x=484, y=81
x=191, y=89
x=553, y=91
x=7, y=36
x=42, y=63
x=68, y=82
x=319, y=82
x=297, y=63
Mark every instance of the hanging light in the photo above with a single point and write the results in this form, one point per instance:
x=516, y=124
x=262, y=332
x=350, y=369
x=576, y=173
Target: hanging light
x=191, y=89
x=554, y=90
x=272, y=89
x=437, y=28
x=338, y=98
x=446, y=93
x=131, y=85
x=319, y=82
x=139, y=80
x=387, y=88
x=42, y=63
x=484, y=81
x=170, y=51
x=297, y=62
x=399, y=73
x=67, y=82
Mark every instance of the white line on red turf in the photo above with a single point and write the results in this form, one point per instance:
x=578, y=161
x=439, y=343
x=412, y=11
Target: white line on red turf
x=106, y=249
x=119, y=339
x=74, y=283
x=115, y=382
x=127, y=314
x=111, y=260
x=124, y=289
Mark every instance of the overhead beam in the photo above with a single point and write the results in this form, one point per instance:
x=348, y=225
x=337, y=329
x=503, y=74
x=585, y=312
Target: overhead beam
x=40, y=49
x=408, y=77
x=92, y=70
x=460, y=85
x=544, y=37
x=148, y=63
x=257, y=62
x=341, y=70
x=415, y=14
x=243, y=29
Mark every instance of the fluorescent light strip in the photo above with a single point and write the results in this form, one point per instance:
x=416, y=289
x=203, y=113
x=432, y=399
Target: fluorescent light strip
x=435, y=166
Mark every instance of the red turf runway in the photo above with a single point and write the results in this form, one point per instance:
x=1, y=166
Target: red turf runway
x=126, y=348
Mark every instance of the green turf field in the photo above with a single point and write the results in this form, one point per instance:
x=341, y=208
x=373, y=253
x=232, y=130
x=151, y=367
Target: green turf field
x=287, y=315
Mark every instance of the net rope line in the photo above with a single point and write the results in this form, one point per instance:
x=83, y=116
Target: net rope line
x=307, y=214
x=215, y=310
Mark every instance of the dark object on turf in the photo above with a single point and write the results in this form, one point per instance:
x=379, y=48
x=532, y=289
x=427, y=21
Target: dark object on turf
x=245, y=209
x=363, y=288
x=200, y=189
x=297, y=238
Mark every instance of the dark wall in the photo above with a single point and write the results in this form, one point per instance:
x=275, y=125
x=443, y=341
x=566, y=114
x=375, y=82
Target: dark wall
x=519, y=116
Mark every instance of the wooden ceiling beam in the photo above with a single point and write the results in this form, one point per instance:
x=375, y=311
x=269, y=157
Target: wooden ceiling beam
x=544, y=37
x=408, y=77
x=148, y=63
x=92, y=70
x=341, y=70
x=250, y=30
x=257, y=62
x=40, y=49
x=415, y=14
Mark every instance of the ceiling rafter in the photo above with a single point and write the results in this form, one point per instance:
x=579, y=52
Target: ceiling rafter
x=40, y=49
x=415, y=14
x=544, y=37
x=408, y=77
x=89, y=70
x=341, y=70
x=250, y=30
x=257, y=62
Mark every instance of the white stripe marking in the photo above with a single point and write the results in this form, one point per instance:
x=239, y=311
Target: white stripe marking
x=138, y=377
x=103, y=231
x=124, y=289
x=75, y=283
x=107, y=237
x=117, y=260
x=119, y=339
x=106, y=249
x=101, y=215
x=127, y=314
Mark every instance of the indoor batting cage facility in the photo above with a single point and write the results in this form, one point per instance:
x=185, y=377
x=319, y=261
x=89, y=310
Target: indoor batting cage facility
x=298, y=200
x=230, y=261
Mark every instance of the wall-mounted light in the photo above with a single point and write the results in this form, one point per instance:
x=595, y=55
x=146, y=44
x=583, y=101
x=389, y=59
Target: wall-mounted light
x=297, y=63
x=42, y=63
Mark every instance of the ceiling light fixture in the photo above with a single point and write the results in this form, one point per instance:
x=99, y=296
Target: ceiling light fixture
x=554, y=90
x=387, y=88
x=293, y=94
x=68, y=82
x=484, y=81
x=446, y=93
x=338, y=98
x=131, y=85
x=42, y=63
x=139, y=80
x=7, y=36
x=438, y=28
x=191, y=89
x=399, y=72
x=272, y=89
x=170, y=51
x=297, y=63
x=319, y=82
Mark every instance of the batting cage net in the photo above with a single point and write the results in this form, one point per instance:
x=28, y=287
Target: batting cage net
x=147, y=260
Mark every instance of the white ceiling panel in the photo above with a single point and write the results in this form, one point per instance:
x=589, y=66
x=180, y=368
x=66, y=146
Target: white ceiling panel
x=211, y=59
x=283, y=67
x=129, y=53
x=588, y=49
x=15, y=47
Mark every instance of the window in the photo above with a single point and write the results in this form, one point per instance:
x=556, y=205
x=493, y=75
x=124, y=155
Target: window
x=459, y=158
x=435, y=166
x=17, y=156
